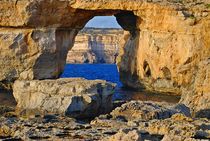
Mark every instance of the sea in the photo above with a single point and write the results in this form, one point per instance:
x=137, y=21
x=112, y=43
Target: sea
x=110, y=73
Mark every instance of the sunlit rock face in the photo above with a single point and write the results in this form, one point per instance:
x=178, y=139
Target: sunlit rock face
x=94, y=45
x=167, y=47
x=33, y=53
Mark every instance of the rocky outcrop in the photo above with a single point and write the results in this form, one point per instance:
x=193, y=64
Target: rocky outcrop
x=138, y=110
x=105, y=127
x=93, y=45
x=75, y=97
x=167, y=48
x=126, y=135
x=33, y=53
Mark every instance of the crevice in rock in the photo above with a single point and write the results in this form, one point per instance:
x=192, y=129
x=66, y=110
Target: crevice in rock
x=147, y=70
x=166, y=73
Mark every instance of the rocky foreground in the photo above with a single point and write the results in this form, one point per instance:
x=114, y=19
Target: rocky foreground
x=132, y=121
x=80, y=109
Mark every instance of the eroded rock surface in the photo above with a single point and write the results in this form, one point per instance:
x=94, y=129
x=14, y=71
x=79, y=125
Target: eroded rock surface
x=75, y=97
x=33, y=53
x=167, y=48
x=126, y=135
x=105, y=127
x=139, y=110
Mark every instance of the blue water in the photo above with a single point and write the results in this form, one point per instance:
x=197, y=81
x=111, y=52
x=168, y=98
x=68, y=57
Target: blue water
x=108, y=72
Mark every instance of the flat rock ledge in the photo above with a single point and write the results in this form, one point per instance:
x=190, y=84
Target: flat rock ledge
x=74, y=97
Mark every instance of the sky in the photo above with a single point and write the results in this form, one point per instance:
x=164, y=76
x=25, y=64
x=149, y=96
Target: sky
x=103, y=22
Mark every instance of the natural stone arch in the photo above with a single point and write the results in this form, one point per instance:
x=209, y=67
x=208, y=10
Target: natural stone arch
x=171, y=33
x=64, y=40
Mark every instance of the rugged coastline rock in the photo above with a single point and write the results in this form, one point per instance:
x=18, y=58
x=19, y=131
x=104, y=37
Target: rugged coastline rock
x=167, y=48
x=95, y=45
x=105, y=127
x=75, y=97
x=139, y=110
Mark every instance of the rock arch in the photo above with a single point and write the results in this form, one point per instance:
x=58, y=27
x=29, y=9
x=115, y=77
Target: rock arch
x=35, y=37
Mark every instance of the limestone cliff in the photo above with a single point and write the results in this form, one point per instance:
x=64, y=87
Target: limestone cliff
x=167, y=48
x=94, y=45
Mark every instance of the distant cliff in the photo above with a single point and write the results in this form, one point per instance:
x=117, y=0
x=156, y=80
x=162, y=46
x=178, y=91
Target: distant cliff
x=95, y=45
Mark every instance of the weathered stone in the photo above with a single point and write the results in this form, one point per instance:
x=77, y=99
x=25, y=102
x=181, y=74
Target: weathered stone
x=172, y=126
x=126, y=135
x=5, y=109
x=167, y=49
x=74, y=97
x=56, y=127
x=5, y=131
x=109, y=123
x=199, y=96
x=139, y=110
x=33, y=53
x=175, y=138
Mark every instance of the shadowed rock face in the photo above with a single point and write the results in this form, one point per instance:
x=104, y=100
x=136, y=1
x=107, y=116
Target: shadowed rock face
x=166, y=48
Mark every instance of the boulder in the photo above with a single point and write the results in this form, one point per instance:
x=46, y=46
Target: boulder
x=75, y=97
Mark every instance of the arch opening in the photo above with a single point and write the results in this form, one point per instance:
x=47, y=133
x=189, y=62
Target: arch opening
x=95, y=51
x=94, y=44
x=97, y=43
